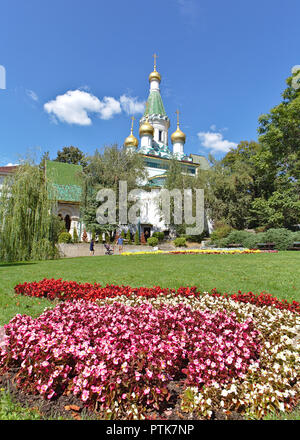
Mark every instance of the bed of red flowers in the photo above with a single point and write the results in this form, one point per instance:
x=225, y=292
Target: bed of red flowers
x=71, y=290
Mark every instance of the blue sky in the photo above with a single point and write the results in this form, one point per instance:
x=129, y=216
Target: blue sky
x=77, y=70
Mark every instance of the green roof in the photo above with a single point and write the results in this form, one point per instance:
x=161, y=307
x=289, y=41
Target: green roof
x=155, y=104
x=65, y=180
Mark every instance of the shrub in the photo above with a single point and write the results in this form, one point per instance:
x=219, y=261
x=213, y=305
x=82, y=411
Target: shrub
x=75, y=236
x=65, y=237
x=283, y=238
x=220, y=232
x=136, y=237
x=296, y=236
x=128, y=237
x=159, y=235
x=152, y=241
x=143, y=240
x=180, y=241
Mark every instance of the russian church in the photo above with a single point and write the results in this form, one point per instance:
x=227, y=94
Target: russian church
x=154, y=147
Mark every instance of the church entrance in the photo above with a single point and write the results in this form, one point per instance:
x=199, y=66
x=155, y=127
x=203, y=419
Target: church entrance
x=67, y=222
x=147, y=231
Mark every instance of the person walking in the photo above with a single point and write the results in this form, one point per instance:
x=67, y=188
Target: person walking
x=92, y=247
x=120, y=243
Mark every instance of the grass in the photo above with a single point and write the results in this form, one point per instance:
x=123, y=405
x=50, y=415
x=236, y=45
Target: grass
x=277, y=274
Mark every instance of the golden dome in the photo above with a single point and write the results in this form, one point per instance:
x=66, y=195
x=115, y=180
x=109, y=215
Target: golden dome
x=131, y=141
x=154, y=76
x=146, y=128
x=178, y=135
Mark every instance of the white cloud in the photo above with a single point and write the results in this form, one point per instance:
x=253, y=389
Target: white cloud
x=132, y=106
x=109, y=107
x=73, y=107
x=32, y=95
x=214, y=142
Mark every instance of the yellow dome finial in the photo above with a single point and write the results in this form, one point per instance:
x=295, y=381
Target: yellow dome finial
x=146, y=128
x=154, y=75
x=131, y=141
x=178, y=135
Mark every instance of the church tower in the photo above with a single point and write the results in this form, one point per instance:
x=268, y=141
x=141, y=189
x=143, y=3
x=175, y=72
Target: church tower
x=155, y=113
x=178, y=140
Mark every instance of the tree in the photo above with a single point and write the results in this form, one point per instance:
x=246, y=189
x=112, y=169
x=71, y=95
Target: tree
x=279, y=132
x=29, y=226
x=71, y=155
x=106, y=170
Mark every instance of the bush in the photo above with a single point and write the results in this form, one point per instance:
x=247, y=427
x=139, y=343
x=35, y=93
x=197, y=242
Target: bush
x=180, y=242
x=128, y=237
x=65, y=237
x=159, y=235
x=75, y=236
x=296, y=236
x=220, y=232
x=283, y=238
x=136, y=237
x=152, y=241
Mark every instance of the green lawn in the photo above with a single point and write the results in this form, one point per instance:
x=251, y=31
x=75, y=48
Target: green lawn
x=278, y=274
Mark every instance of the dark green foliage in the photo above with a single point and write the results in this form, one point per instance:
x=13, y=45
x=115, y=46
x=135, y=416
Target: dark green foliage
x=220, y=232
x=136, y=237
x=128, y=237
x=159, y=235
x=75, y=235
x=71, y=155
x=152, y=241
x=282, y=238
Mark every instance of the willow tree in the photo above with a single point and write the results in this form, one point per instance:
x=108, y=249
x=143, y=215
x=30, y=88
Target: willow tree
x=28, y=224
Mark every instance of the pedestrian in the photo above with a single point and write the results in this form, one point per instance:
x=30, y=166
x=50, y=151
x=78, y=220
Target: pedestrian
x=120, y=243
x=92, y=247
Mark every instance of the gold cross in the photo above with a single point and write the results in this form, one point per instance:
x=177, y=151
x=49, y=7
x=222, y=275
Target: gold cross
x=154, y=56
x=132, y=118
x=177, y=112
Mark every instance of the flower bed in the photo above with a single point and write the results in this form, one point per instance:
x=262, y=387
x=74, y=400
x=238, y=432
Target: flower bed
x=203, y=252
x=123, y=352
x=125, y=355
x=71, y=290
